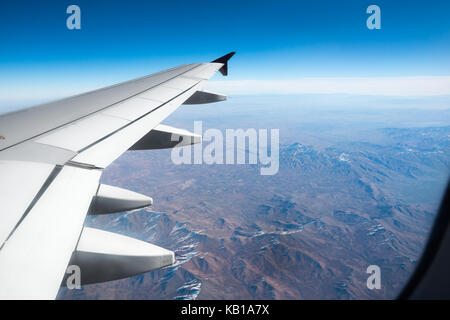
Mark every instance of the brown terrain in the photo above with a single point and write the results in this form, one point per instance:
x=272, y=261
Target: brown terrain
x=335, y=207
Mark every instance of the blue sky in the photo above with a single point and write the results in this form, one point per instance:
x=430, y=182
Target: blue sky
x=275, y=40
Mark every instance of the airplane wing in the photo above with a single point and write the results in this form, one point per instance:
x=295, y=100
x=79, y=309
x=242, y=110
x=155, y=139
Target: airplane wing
x=51, y=160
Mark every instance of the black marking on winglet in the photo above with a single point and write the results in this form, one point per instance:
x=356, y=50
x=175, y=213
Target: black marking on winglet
x=224, y=60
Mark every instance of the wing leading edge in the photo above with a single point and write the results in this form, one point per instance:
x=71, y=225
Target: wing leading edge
x=51, y=160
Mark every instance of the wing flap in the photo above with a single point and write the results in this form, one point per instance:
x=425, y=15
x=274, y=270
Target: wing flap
x=107, y=150
x=162, y=93
x=181, y=83
x=31, y=151
x=29, y=123
x=204, y=71
x=19, y=184
x=86, y=132
x=82, y=133
x=34, y=259
x=133, y=108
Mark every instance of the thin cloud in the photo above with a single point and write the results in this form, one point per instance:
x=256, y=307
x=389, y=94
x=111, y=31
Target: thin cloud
x=385, y=86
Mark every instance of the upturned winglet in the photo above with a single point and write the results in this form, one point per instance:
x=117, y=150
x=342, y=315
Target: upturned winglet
x=224, y=60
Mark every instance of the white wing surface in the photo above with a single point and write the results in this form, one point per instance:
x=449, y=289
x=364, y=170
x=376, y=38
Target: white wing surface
x=51, y=160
